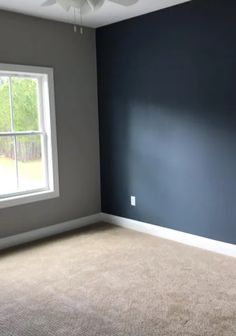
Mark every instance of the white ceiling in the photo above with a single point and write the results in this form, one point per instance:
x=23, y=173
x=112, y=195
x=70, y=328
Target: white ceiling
x=109, y=13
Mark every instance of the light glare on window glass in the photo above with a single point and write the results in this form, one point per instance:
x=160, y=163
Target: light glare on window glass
x=8, y=180
x=30, y=162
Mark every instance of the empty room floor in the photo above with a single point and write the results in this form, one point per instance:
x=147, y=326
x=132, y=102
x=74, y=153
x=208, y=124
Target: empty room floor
x=105, y=280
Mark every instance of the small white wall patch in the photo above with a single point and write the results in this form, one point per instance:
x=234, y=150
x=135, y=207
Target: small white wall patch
x=133, y=200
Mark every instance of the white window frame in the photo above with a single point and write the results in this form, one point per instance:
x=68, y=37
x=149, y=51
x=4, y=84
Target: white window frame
x=48, y=114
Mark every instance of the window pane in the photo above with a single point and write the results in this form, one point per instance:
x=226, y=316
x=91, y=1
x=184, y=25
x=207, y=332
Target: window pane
x=25, y=104
x=8, y=180
x=30, y=162
x=5, y=116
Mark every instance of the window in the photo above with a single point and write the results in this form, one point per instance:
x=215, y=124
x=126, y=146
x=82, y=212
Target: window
x=28, y=148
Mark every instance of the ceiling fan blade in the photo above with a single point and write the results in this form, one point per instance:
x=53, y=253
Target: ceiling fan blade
x=125, y=2
x=82, y=6
x=78, y=3
x=95, y=4
x=65, y=4
x=49, y=3
x=86, y=9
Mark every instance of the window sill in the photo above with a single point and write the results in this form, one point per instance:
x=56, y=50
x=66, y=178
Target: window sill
x=28, y=198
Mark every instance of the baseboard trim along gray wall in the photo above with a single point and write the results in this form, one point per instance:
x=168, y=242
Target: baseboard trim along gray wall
x=49, y=231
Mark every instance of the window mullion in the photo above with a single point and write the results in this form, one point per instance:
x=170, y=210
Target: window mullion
x=17, y=165
x=21, y=133
x=44, y=140
x=11, y=104
x=12, y=130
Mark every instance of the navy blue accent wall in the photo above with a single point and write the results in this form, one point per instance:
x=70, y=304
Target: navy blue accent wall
x=167, y=106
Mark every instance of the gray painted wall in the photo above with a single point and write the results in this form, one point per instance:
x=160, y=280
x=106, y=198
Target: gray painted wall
x=32, y=41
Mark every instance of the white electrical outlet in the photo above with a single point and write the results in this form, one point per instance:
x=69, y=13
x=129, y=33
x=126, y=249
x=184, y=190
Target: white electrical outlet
x=133, y=200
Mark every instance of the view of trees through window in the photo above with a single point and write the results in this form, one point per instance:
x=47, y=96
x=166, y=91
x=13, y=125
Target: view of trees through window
x=21, y=166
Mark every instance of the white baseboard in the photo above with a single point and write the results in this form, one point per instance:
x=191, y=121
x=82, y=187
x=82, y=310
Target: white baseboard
x=178, y=236
x=181, y=237
x=48, y=231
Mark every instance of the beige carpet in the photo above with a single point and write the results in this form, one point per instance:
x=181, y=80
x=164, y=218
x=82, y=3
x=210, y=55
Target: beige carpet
x=111, y=281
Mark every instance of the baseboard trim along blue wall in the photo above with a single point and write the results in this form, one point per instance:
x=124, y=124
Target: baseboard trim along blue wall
x=167, y=110
x=177, y=236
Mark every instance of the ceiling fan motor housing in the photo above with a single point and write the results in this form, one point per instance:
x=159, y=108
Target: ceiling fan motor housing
x=86, y=6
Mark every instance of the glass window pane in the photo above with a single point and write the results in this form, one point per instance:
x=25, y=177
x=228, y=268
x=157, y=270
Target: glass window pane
x=8, y=179
x=30, y=162
x=5, y=115
x=25, y=103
